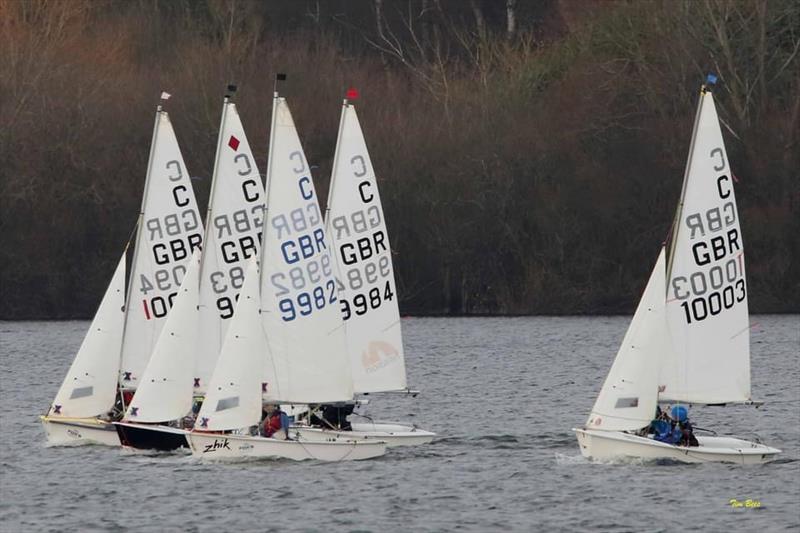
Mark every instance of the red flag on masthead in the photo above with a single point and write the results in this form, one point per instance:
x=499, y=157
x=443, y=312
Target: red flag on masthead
x=351, y=94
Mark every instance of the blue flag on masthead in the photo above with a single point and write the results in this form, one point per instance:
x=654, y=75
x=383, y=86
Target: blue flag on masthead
x=711, y=79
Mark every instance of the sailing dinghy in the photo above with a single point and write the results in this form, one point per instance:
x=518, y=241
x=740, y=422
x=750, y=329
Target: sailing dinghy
x=119, y=342
x=688, y=342
x=287, y=342
x=184, y=358
x=356, y=228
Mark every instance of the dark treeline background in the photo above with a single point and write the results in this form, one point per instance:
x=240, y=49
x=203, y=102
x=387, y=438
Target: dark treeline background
x=530, y=152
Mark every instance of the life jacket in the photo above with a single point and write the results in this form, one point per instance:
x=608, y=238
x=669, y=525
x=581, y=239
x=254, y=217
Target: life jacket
x=663, y=431
x=273, y=425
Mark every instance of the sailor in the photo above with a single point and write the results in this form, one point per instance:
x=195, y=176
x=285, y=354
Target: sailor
x=681, y=416
x=275, y=421
x=336, y=416
x=665, y=428
x=189, y=420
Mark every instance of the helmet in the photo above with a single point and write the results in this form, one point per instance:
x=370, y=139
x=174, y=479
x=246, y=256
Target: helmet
x=680, y=413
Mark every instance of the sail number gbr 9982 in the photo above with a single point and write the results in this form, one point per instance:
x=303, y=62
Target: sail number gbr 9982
x=714, y=243
x=303, y=281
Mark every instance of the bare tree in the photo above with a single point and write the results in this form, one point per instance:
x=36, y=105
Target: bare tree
x=511, y=19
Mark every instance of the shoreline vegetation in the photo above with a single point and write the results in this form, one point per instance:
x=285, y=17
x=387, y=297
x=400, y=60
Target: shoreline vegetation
x=530, y=154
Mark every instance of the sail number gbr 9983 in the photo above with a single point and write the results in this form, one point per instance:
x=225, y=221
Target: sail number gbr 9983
x=714, y=242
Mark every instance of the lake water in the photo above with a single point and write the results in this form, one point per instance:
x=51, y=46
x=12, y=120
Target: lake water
x=502, y=393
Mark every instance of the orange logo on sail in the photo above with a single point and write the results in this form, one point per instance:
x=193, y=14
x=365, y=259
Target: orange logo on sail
x=377, y=355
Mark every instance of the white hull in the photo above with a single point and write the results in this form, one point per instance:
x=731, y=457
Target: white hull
x=218, y=446
x=63, y=431
x=393, y=435
x=610, y=445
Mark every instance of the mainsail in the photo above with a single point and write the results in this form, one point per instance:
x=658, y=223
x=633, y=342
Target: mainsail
x=90, y=385
x=629, y=395
x=300, y=306
x=233, y=233
x=356, y=228
x=169, y=230
x=707, y=291
x=165, y=389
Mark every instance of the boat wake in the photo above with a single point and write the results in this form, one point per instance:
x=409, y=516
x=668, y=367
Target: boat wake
x=563, y=459
x=179, y=452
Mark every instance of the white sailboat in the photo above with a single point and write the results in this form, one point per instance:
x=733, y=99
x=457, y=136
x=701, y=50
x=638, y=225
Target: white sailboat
x=178, y=372
x=287, y=341
x=688, y=342
x=115, y=351
x=356, y=228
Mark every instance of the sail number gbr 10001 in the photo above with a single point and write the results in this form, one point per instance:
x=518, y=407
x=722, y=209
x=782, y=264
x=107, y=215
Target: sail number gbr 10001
x=163, y=280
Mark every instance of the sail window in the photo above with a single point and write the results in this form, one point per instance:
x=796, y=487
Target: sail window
x=81, y=392
x=228, y=403
x=626, y=402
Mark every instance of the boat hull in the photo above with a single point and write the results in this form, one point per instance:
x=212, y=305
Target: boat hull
x=216, y=446
x=394, y=435
x=151, y=436
x=611, y=445
x=64, y=431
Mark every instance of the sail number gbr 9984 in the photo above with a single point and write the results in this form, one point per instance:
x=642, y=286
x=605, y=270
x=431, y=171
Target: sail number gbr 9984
x=715, y=247
x=362, y=249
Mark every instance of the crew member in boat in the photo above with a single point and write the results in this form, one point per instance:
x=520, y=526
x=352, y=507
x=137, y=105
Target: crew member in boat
x=189, y=420
x=274, y=422
x=680, y=414
x=334, y=417
x=664, y=429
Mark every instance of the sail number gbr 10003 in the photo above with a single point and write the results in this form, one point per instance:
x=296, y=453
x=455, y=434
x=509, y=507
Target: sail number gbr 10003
x=713, y=239
x=702, y=307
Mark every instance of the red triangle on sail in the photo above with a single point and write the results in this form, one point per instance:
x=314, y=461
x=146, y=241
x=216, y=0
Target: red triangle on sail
x=233, y=143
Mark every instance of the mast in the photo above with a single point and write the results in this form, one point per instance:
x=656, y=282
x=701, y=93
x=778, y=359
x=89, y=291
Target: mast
x=267, y=181
x=214, y=175
x=139, y=232
x=335, y=160
x=676, y=223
